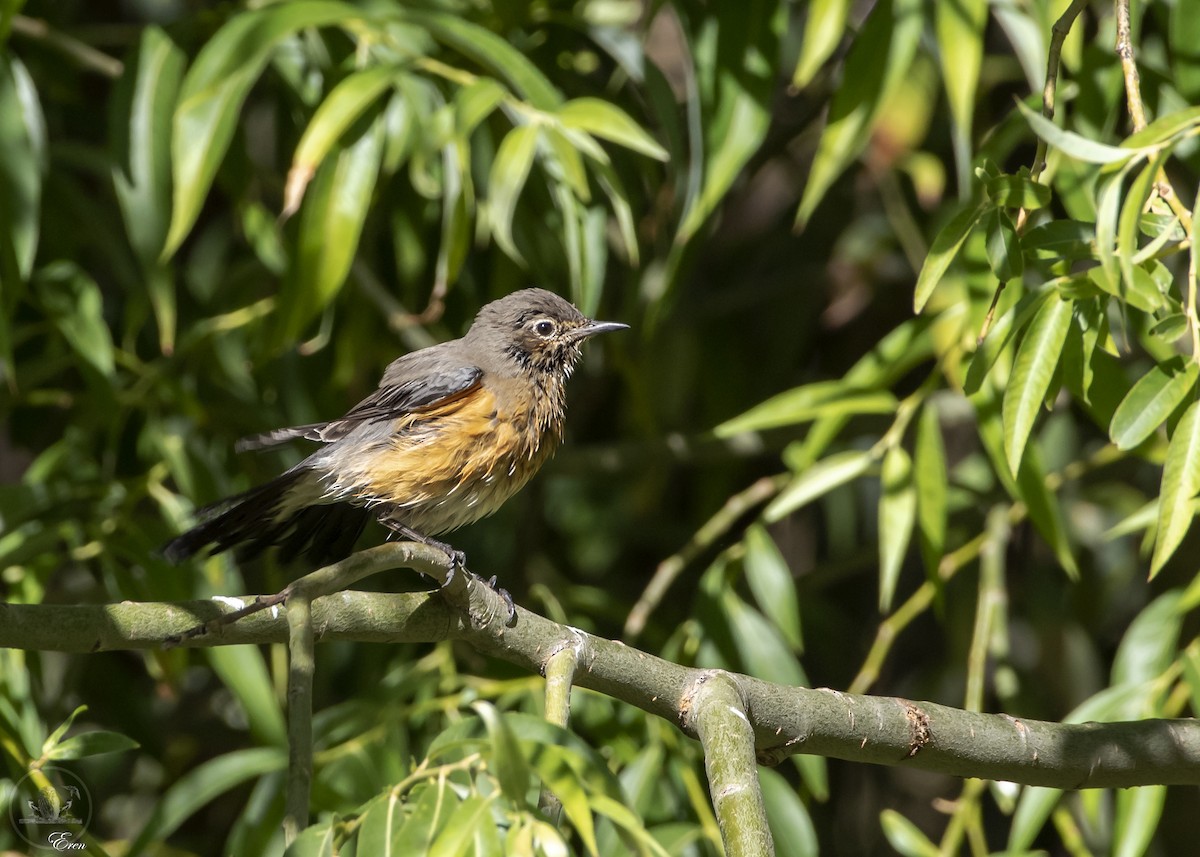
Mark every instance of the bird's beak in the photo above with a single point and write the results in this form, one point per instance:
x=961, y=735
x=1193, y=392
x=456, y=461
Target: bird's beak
x=593, y=327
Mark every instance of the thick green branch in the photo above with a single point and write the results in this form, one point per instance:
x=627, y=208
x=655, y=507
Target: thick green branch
x=785, y=720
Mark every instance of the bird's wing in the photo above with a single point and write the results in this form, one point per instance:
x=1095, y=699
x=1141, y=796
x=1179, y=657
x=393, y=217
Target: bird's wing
x=415, y=383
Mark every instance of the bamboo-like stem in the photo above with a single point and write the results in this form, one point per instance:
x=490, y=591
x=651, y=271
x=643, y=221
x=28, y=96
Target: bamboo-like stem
x=301, y=664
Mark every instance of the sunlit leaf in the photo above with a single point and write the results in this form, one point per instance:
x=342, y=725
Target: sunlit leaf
x=876, y=63
x=772, y=584
x=897, y=515
x=930, y=479
x=942, y=252
x=1152, y=399
x=607, y=121
x=1037, y=358
x=807, y=403
x=823, y=30
x=818, y=480
x=1070, y=143
x=1180, y=483
x=509, y=171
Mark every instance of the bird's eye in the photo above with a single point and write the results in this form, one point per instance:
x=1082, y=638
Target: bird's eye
x=544, y=328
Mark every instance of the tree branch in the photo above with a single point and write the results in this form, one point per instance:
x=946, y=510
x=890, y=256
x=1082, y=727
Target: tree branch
x=785, y=720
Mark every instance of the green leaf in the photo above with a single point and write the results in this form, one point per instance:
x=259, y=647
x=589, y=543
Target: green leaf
x=930, y=478
x=1019, y=191
x=761, y=650
x=1165, y=128
x=1003, y=246
x=1180, y=483
x=215, y=88
x=959, y=27
x=818, y=480
x=95, y=743
x=791, y=826
x=509, y=171
x=379, y=824
x=510, y=767
x=1063, y=239
x=315, y=841
x=202, y=784
x=1037, y=358
x=877, y=62
x=1129, y=221
x=559, y=775
x=772, y=584
x=492, y=52
x=243, y=670
x=609, y=122
x=906, y=837
x=744, y=117
x=331, y=224
x=1151, y=401
x=1002, y=332
x=140, y=130
x=1150, y=644
x=72, y=299
x=23, y=142
x=1136, y=820
x=807, y=403
x=823, y=30
x=897, y=515
x=345, y=104
x=1070, y=143
x=942, y=252
x=457, y=838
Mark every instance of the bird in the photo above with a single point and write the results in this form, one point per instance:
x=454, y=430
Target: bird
x=451, y=433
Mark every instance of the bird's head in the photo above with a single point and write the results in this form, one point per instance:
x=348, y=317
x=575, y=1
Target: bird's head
x=535, y=330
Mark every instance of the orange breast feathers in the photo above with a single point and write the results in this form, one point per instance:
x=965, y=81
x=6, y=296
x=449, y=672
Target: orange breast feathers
x=451, y=464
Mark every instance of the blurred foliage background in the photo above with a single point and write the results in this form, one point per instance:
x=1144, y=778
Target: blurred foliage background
x=216, y=219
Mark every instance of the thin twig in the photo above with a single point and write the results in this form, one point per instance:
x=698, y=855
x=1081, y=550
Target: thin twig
x=1133, y=85
x=82, y=54
x=714, y=528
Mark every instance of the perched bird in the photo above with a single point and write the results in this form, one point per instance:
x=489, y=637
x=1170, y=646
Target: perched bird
x=452, y=432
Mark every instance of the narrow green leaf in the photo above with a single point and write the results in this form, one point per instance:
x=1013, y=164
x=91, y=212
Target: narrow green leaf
x=807, y=403
x=475, y=102
x=315, y=841
x=1176, y=124
x=379, y=823
x=877, y=62
x=510, y=767
x=818, y=480
x=1019, y=191
x=215, y=88
x=772, y=584
x=1073, y=144
x=140, y=130
x=492, y=52
x=1152, y=399
x=1037, y=358
x=1003, y=246
x=73, y=300
x=791, y=826
x=331, y=224
x=1150, y=644
x=1063, y=239
x=1180, y=483
x=1003, y=332
x=745, y=117
x=509, y=171
x=342, y=107
x=905, y=836
x=930, y=479
x=1138, y=813
x=243, y=670
x=959, y=27
x=560, y=777
x=456, y=838
x=897, y=515
x=202, y=784
x=56, y=736
x=22, y=140
x=608, y=122
x=457, y=206
x=942, y=252
x=95, y=743
x=761, y=650
x=1129, y=221
x=823, y=30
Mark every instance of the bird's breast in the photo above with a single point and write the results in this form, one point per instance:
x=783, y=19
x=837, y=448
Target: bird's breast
x=455, y=463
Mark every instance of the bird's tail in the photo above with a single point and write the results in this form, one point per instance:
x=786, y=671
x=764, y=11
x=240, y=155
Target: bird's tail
x=283, y=512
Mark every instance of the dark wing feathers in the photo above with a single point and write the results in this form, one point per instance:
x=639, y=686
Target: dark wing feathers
x=408, y=386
